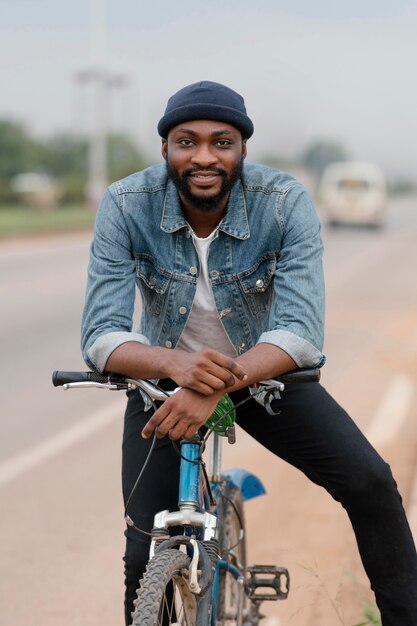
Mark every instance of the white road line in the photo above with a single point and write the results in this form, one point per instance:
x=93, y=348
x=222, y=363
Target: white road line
x=386, y=425
x=28, y=459
x=392, y=411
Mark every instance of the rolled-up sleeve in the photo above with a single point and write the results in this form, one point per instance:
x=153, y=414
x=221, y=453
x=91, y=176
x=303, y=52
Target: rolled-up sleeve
x=110, y=293
x=297, y=316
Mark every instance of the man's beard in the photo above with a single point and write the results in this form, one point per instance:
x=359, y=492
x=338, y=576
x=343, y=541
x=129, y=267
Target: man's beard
x=205, y=201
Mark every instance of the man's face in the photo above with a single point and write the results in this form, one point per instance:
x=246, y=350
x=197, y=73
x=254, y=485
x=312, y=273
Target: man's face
x=204, y=159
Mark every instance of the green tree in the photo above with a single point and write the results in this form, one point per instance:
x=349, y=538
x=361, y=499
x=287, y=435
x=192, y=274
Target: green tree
x=123, y=157
x=64, y=157
x=19, y=153
x=318, y=155
x=66, y=160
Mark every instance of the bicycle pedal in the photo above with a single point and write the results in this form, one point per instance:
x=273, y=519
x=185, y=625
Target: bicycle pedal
x=268, y=582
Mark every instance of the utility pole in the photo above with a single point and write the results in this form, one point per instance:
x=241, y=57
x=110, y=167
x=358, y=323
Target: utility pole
x=101, y=81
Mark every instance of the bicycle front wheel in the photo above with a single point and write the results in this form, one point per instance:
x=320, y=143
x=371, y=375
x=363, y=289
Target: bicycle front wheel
x=164, y=597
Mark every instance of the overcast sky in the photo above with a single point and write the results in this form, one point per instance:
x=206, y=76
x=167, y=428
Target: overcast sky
x=307, y=70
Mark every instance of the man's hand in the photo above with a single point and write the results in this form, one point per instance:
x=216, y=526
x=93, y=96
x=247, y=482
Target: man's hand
x=182, y=414
x=206, y=372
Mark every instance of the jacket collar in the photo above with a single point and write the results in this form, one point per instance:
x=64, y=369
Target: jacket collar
x=235, y=222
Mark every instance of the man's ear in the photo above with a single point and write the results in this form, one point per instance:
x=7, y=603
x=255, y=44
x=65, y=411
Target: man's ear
x=244, y=150
x=164, y=149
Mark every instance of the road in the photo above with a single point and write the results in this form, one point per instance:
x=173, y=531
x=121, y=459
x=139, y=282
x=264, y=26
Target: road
x=61, y=526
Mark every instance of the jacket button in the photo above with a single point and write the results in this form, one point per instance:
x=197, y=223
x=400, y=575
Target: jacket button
x=168, y=344
x=182, y=310
x=259, y=283
x=193, y=270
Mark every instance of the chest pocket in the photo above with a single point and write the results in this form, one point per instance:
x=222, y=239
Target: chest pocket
x=153, y=282
x=257, y=284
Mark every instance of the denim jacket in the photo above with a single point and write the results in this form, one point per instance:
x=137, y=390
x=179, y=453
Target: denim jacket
x=265, y=267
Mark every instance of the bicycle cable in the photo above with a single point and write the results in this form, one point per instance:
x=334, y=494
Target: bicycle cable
x=127, y=517
x=199, y=461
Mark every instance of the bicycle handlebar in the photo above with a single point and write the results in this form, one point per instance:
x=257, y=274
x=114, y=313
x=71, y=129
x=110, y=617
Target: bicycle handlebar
x=301, y=375
x=116, y=381
x=62, y=378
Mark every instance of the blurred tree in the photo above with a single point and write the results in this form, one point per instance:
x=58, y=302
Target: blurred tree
x=63, y=157
x=320, y=153
x=402, y=186
x=123, y=157
x=18, y=152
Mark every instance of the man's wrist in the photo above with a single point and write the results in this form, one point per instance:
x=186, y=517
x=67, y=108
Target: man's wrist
x=169, y=363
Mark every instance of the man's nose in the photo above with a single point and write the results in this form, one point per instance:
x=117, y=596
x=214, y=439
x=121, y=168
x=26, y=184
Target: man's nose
x=204, y=156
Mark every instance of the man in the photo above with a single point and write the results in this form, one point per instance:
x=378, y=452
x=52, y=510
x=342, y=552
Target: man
x=227, y=258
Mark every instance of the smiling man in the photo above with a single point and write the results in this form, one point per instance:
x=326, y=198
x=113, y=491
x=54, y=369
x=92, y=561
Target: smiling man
x=227, y=258
x=204, y=181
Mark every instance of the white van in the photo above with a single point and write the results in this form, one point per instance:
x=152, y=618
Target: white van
x=352, y=192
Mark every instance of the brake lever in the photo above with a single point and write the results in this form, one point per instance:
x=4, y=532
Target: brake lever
x=111, y=386
x=270, y=397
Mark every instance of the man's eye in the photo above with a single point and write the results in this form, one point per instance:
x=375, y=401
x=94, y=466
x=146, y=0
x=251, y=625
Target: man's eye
x=185, y=142
x=223, y=143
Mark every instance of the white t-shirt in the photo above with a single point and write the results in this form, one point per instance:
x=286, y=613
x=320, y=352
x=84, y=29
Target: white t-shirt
x=204, y=328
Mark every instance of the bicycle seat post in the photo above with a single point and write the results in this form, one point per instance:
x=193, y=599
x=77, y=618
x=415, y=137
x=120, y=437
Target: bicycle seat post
x=215, y=458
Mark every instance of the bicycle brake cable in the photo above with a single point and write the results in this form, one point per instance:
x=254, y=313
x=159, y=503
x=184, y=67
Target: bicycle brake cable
x=127, y=517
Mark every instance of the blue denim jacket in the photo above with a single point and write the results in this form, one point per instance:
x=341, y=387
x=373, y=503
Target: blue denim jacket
x=265, y=267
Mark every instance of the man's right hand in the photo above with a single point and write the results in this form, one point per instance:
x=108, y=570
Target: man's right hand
x=206, y=371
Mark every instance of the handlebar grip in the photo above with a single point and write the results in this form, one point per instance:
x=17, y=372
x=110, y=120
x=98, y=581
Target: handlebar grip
x=306, y=375
x=60, y=378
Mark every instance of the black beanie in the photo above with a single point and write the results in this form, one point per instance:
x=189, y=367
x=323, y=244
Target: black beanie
x=206, y=101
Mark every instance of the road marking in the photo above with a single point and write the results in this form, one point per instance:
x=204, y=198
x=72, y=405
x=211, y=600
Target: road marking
x=27, y=460
x=392, y=411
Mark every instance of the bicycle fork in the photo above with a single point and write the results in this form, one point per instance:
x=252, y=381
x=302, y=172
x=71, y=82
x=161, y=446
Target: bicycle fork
x=188, y=516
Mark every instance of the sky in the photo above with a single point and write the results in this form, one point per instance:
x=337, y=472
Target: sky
x=322, y=70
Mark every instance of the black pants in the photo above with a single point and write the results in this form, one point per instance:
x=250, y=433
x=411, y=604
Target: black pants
x=316, y=435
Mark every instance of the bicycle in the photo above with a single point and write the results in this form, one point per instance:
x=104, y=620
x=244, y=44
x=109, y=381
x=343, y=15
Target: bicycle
x=200, y=577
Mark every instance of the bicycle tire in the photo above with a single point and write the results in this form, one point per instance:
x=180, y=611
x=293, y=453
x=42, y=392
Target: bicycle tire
x=164, y=598
x=232, y=545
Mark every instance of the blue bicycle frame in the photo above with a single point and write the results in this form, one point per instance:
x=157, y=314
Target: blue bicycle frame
x=197, y=511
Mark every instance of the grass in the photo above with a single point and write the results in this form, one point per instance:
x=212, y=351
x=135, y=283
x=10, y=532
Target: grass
x=20, y=220
x=368, y=612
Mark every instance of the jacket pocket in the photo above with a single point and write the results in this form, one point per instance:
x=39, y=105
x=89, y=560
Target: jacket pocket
x=257, y=282
x=153, y=282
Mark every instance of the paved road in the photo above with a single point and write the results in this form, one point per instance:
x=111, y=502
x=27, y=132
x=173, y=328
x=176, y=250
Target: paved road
x=61, y=524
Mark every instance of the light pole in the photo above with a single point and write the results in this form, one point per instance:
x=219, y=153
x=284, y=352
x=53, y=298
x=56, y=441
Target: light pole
x=101, y=81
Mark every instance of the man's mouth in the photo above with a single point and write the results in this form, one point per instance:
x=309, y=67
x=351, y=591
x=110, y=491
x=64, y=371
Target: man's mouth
x=204, y=178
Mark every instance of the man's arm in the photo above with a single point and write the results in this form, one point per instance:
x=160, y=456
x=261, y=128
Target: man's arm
x=184, y=413
x=205, y=372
